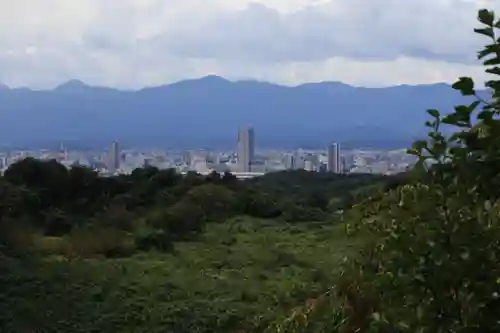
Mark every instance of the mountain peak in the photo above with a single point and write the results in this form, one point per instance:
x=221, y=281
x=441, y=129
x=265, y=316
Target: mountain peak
x=72, y=85
x=209, y=80
x=213, y=77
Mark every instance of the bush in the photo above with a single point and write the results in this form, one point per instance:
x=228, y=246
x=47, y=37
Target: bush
x=57, y=224
x=295, y=212
x=183, y=218
x=215, y=201
x=16, y=237
x=116, y=216
x=48, y=246
x=258, y=204
x=153, y=239
x=109, y=242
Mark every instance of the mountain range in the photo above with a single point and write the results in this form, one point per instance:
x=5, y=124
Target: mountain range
x=207, y=112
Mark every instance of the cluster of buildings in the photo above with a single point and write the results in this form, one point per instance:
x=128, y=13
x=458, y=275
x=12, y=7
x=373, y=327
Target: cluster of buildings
x=247, y=162
x=244, y=162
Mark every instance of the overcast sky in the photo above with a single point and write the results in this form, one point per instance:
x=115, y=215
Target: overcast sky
x=136, y=43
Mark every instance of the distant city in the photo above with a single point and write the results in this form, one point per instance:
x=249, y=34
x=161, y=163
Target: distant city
x=245, y=161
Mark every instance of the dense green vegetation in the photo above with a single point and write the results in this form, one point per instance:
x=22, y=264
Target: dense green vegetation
x=45, y=207
x=240, y=274
x=430, y=257
x=157, y=252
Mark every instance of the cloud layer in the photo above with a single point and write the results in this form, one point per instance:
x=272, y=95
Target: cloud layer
x=135, y=43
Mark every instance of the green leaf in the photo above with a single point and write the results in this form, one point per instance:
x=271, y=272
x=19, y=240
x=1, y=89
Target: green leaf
x=463, y=111
x=488, y=49
x=465, y=85
x=473, y=106
x=495, y=70
x=492, y=62
x=420, y=312
x=492, y=84
x=458, y=118
x=419, y=145
x=436, y=136
x=413, y=152
x=433, y=113
x=485, y=31
x=485, y=115
x=486, y=17
x=403, y=325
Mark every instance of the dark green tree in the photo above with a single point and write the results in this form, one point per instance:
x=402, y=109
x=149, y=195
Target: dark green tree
x=215, y=201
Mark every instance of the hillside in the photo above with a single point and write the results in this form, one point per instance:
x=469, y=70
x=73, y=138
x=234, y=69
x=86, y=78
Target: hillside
x=207, y=112
x=156, y=251
x=241, y=274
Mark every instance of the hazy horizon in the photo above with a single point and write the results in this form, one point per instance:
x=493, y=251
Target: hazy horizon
x=234, y=80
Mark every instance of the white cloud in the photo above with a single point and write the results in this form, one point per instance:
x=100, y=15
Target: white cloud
x=133, y=43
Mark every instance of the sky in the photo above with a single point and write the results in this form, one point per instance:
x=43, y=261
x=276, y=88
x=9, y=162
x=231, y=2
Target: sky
x=137, y=43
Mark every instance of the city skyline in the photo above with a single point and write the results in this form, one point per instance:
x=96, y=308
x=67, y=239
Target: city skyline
x=245, y=159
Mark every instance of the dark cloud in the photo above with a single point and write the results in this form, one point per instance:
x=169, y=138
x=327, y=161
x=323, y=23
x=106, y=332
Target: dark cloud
x=361, y=29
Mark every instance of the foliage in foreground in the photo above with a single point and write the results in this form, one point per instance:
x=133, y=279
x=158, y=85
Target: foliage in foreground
x=431, y=262
x=238, y=275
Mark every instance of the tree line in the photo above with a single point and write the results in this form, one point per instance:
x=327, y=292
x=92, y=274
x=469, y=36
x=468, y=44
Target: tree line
x=157, y=206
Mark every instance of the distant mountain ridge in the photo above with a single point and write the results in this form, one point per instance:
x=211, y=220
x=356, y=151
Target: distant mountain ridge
x=206, y=112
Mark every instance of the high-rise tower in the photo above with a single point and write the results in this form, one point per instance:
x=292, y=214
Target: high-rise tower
x=113, y=158
x=245, y=148
x=334, y=158
x=290, y=161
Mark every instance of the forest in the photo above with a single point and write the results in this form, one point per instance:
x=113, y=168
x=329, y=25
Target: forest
x=294, y=251
x=76, y=212
x=158, y=251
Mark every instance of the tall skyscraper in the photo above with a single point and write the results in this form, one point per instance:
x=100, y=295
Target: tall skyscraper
x=290, y=161
x=334, y=158
x=113, y=158
x=245, y=149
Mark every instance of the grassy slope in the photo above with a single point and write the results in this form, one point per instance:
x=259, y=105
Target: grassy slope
x=241, y=273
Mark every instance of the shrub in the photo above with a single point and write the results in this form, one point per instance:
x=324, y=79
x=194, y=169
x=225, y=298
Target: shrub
x=51, y=245
x=57, y=224
x=109, y=242
x=153, y=239
x=116, y=216
x=295, y=212
x=215, y=201
x=16, y=237
x=183, y=218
